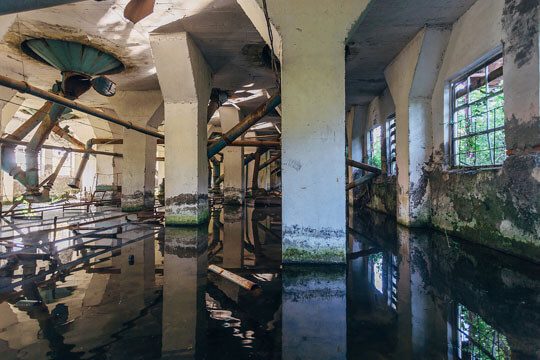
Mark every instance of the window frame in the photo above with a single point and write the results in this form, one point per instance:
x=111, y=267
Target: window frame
x=389, y=160
x=483, y=63
x=370, y=142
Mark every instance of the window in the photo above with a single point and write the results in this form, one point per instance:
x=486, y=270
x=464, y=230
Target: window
x=477, y=124
x=391, y=144
x=374, y=146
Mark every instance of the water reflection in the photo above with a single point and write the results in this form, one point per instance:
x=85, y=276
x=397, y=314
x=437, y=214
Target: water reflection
x=404, y=294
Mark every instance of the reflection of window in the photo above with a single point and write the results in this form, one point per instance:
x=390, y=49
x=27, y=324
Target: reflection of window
x=376, y=267
x=374, y=147
x=391, y=144
x=477, y=124
x=392, y=282
x=477, y=340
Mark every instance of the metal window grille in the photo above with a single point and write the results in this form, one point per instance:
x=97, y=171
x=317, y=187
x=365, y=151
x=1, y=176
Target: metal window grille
x=391, y=145
x=477, y=124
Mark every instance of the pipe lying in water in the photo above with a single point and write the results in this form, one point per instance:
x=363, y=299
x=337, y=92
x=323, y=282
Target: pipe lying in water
x=363, y=166
x=246, y=284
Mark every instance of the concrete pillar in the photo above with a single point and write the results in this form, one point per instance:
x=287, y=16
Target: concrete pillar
x=314, y=326
x=233, y=160
x=313, y=35
x=139, y=161
x=7, y=111
x=185, y=81
x=184, y=310
x=411, y=78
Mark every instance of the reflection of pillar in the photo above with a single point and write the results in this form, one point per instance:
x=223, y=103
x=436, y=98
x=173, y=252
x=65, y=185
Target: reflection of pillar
x=314, y=322
x=233, y=238
x=404, y=349
x=429, y=331
x=184, y=311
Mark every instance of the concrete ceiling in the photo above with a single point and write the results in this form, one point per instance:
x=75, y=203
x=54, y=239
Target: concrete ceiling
x=225, y=35
x=387, y=26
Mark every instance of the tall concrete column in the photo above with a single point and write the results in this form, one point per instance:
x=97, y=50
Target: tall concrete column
x=7, y=111
x=313, y=36
x=185, y=81
x=233, y=160
x=411, y=78
x=139, y=161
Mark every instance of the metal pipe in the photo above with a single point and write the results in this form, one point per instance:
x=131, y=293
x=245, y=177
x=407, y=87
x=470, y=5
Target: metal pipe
x=244, y=125
x=219, y=180
x=51, y=179
x=16, y=6
x=363, y=166
x=24, y=87
x=34, y=146
x=249, y=158
x=270, y=161
x=67, y=136
x=360, y=181
x=53, y=147
x=76, y=182
x=249, y=143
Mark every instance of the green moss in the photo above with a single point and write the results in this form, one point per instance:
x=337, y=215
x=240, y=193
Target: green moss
x=132, y=208
x=187, y=219
x=314, y=256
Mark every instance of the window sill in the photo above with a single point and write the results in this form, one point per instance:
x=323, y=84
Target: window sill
x=472, y=170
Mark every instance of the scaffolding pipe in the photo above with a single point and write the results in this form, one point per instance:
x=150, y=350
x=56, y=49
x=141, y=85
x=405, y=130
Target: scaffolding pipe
x=67, y=136
x=26, y=88
x=244, y=125
x=16, y=6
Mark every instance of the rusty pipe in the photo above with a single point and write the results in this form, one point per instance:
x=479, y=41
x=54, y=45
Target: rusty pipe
x=53, y=147
x=244, y=125
x=24, y=87
x=360, y=181
x=67, y=136
x=269, y=161
x=363, y=166
x=250, y=143
x=76, y=182
x=52, y=178
x=34, y=146
x=8, y=159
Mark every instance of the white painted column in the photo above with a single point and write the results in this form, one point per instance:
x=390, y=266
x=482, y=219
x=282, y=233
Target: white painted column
x=411, y=78
x=7, y=111
x=139, y=161
x=233, y=160
x=313, y=35
x=185, y=81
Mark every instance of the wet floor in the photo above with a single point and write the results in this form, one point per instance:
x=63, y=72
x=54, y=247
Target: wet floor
x=136, y=291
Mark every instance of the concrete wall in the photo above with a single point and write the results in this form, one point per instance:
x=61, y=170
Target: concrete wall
x=496, y=207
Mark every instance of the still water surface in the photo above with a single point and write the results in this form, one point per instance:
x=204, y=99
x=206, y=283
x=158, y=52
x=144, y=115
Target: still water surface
x=146, y=294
